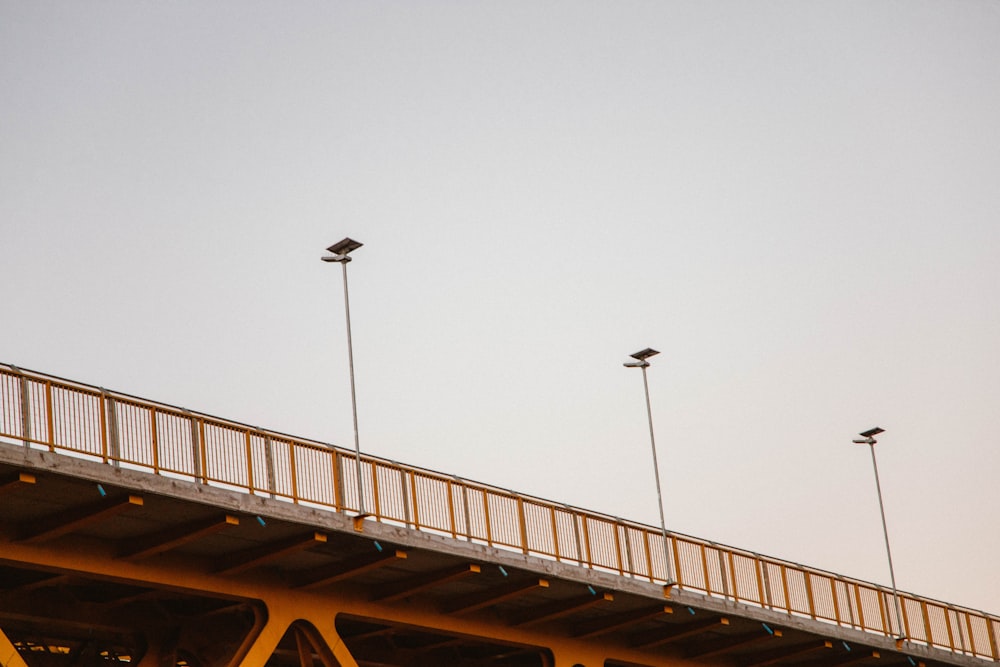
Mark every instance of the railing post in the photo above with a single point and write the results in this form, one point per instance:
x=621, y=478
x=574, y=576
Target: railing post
x=203, y=450
x=886, y=627
x=555, y=532
x=414, y=501
x=906, y=617
x=465, y=508
x=249, y=450
x=704, y=568
x=523, y=521
x=927, y=623
x=972, y=635
x=628, y=548
x=405, y=493
x=292, y=474
x=338, y=478
x=579, y=544
x=649, y=554
x=195, y=446
x=765, y=578
x=678, y=574
x=958, y=626
x=861, y=608
x=732, y=573
x=50, y=415
x=22, y=382
x=784, y=585
x=269, y=464
x=947, y=623
x=114, y=444
x=586, y=541
x=618, y=546
x=154, y=436
x=451, y=508
x=103, y=417
x=991, y=630
x=375, y=492
x=809, y=594
x=836, y=602
x=486, y=516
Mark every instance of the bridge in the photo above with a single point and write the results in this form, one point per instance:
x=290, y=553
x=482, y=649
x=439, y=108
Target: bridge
x=137, y=532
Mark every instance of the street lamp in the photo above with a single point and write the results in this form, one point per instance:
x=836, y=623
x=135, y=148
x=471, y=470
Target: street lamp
x=341, y=254
x=868, y=438
x=640, y=362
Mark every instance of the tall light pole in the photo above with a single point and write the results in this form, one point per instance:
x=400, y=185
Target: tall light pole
x=868, y=438
x=640, y=362
x=341, y=254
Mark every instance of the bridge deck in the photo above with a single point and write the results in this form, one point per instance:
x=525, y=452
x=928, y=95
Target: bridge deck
x=241, y=534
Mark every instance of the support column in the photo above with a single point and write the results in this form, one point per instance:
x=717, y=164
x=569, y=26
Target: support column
x=9, y=656
x=263, y=639
x=575, y=655
x=328, y=632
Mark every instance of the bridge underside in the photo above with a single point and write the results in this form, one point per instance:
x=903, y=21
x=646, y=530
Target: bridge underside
x=100, y=565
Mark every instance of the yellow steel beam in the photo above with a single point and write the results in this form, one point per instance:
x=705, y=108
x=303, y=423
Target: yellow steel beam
x=669, y=634
x=165, y=541
x=347, y=569
x=422, y=582
x=64, y=523
x=792, y=652
x=600, y=626
x=720, y=648
x=15, y=482
x=494, y=596
x=9, y=655
x=560, y=608
x=252, y=558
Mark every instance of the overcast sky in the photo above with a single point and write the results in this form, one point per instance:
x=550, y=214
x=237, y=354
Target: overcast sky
x=797, y=203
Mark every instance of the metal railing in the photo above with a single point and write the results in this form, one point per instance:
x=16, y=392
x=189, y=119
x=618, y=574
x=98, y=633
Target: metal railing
x=45, y=412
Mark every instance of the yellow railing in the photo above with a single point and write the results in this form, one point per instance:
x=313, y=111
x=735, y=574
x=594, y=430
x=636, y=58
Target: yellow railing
x=41, y=411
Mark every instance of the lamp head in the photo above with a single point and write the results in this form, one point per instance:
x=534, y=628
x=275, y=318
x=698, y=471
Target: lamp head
x=341, y=249
x=642, y=355
x=868, y=437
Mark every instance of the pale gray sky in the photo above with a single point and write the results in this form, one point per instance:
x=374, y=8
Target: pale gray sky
x=796, y=202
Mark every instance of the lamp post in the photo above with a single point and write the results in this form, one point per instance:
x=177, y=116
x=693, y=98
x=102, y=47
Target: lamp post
x=868, y=438
x=341, y=254
x=640, y=362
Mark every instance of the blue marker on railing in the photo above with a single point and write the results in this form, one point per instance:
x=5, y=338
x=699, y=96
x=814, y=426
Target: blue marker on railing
x=100, y=490
x=261, y=521
x=378, y=546
x=768, y=628
x=591, y=589
x=502, y=571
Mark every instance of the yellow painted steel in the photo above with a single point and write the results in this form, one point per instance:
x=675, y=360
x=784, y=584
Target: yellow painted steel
x=42, y=411
x=286, y=607
x=9, y=655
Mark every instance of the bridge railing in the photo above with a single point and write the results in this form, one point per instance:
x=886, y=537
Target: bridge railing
x=41, y=411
